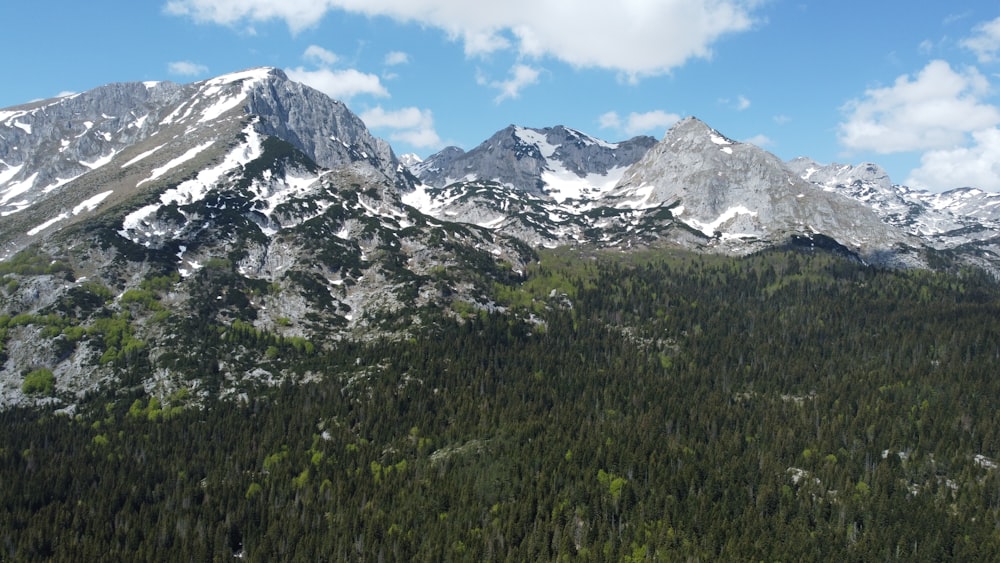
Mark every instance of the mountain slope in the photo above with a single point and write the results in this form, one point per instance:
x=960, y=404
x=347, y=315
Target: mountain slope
x=739, y=193
x=99, y=148
x=212, y=219
x=963, y=223
x=696, y=189
x=556, y=161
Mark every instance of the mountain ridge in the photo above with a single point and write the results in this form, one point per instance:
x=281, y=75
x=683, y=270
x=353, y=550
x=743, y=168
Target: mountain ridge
x=167, y=215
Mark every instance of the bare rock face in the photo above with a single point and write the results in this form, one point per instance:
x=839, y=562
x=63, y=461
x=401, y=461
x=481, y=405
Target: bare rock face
x=62, y=159
x=740, y=192
x=322, y=128
x=521, y=157
x=158, y=218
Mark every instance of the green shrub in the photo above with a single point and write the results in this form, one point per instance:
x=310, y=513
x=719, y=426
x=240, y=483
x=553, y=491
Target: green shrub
x=39, y=382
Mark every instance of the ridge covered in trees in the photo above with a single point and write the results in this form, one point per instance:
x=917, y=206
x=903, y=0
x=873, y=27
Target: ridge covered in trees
x=651, y=406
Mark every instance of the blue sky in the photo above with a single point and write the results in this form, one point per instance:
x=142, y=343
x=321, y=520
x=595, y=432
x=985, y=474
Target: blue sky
x=911, y=85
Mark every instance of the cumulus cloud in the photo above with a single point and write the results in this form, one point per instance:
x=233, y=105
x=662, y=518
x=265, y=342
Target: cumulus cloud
x=741, y=103
x=521, y=76
x=760, y=140
x=339, y=84
x=394, y=58
x=985, y=41
x=186, y=68
x=936, y=109
x=319, y=55
x=410, y=125
x=656, y=121
x=637, y=37
x=976, y=166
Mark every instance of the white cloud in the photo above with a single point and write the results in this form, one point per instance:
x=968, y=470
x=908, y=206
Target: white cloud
x=985, y=41
x=657, y=121
x=394, y=58
x=339, y=84
x=936, y=109
x=741, y=103
x=186, y=68
x=410, y=125
x=610, y=120
x=521, y=76
x=636, y=37
x=977, y=166
x=320, y=56
x=759, y=140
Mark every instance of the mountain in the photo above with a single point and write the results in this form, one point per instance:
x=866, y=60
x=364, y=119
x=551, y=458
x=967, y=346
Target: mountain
x=700, y=190
x=90, y=151
x=537, y=161
x=963, y=223
x=156, y=234
x=148, y=219
x=234, y=325
x=695, y=189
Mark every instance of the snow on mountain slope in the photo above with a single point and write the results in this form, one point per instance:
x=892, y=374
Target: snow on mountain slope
x=964, y=217
x=559, y=162
x=129, y=138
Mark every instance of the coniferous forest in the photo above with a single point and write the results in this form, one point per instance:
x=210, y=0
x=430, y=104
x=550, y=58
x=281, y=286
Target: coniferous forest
x=650, y=406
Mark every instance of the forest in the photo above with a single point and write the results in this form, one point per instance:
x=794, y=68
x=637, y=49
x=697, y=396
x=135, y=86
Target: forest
x=654, y=405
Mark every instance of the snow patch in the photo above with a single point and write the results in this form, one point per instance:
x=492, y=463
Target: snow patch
x=9, y=173
x=160, y=171
x=642, y=193
x=92, y=203
x=711, y=227
x=142, y=156
x=100, y=161
x=17, y=188
x=720, y=140
x=59, y=182
x=47, y=224
x=493, y=223
x=562, y=184
x=136, y=226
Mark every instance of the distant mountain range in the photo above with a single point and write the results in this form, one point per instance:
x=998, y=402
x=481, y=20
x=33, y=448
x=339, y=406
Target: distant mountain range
x=700, y=190
x=249, y=198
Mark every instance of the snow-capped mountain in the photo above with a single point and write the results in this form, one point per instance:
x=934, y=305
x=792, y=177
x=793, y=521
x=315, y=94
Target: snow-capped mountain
x=143, y=222
x=244, y=202
x=695, y=188
x=90, y=151
x=963, y=221
x=557, y=162
x=700, y=190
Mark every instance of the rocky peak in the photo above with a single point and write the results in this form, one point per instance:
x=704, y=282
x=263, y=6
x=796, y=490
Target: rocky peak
x=108, y=145
x=742, y=193
x=530, y=160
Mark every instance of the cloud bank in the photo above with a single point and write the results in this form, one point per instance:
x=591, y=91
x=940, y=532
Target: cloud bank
x=941, y=112
x=635, y=37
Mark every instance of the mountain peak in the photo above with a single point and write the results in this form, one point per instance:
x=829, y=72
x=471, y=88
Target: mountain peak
x=539, y=161
x=253, y=73
x=693, y=129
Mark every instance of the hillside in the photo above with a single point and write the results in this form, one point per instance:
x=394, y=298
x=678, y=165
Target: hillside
x=234, y=325
x=787, y=406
